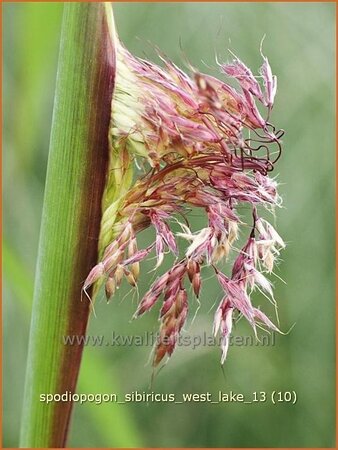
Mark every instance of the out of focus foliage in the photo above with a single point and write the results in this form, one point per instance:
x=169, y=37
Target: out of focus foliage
x=300, y=46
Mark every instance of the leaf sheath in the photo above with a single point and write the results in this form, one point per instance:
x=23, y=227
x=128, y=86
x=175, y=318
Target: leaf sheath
x=76, y=174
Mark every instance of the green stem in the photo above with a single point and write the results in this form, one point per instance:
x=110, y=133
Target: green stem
x=76, y=176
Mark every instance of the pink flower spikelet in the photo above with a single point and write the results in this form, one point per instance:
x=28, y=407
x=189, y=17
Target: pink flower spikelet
x=207, y=145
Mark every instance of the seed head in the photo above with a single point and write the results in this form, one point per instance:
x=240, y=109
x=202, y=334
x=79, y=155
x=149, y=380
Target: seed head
x=196, y=142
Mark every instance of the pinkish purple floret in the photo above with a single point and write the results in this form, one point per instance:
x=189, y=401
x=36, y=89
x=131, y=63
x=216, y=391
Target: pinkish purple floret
x=209, y=147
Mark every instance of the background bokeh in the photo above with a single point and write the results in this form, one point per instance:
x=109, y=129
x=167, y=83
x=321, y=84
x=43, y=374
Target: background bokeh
x=300, y=45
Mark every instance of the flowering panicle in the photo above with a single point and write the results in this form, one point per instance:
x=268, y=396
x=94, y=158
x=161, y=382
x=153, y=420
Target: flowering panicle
x=196, y=142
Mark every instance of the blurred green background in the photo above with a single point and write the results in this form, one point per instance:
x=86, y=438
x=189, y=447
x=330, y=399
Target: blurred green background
x=300, y=45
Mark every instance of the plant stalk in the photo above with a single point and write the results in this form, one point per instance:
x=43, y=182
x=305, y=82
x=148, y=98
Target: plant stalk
x=68, y=248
